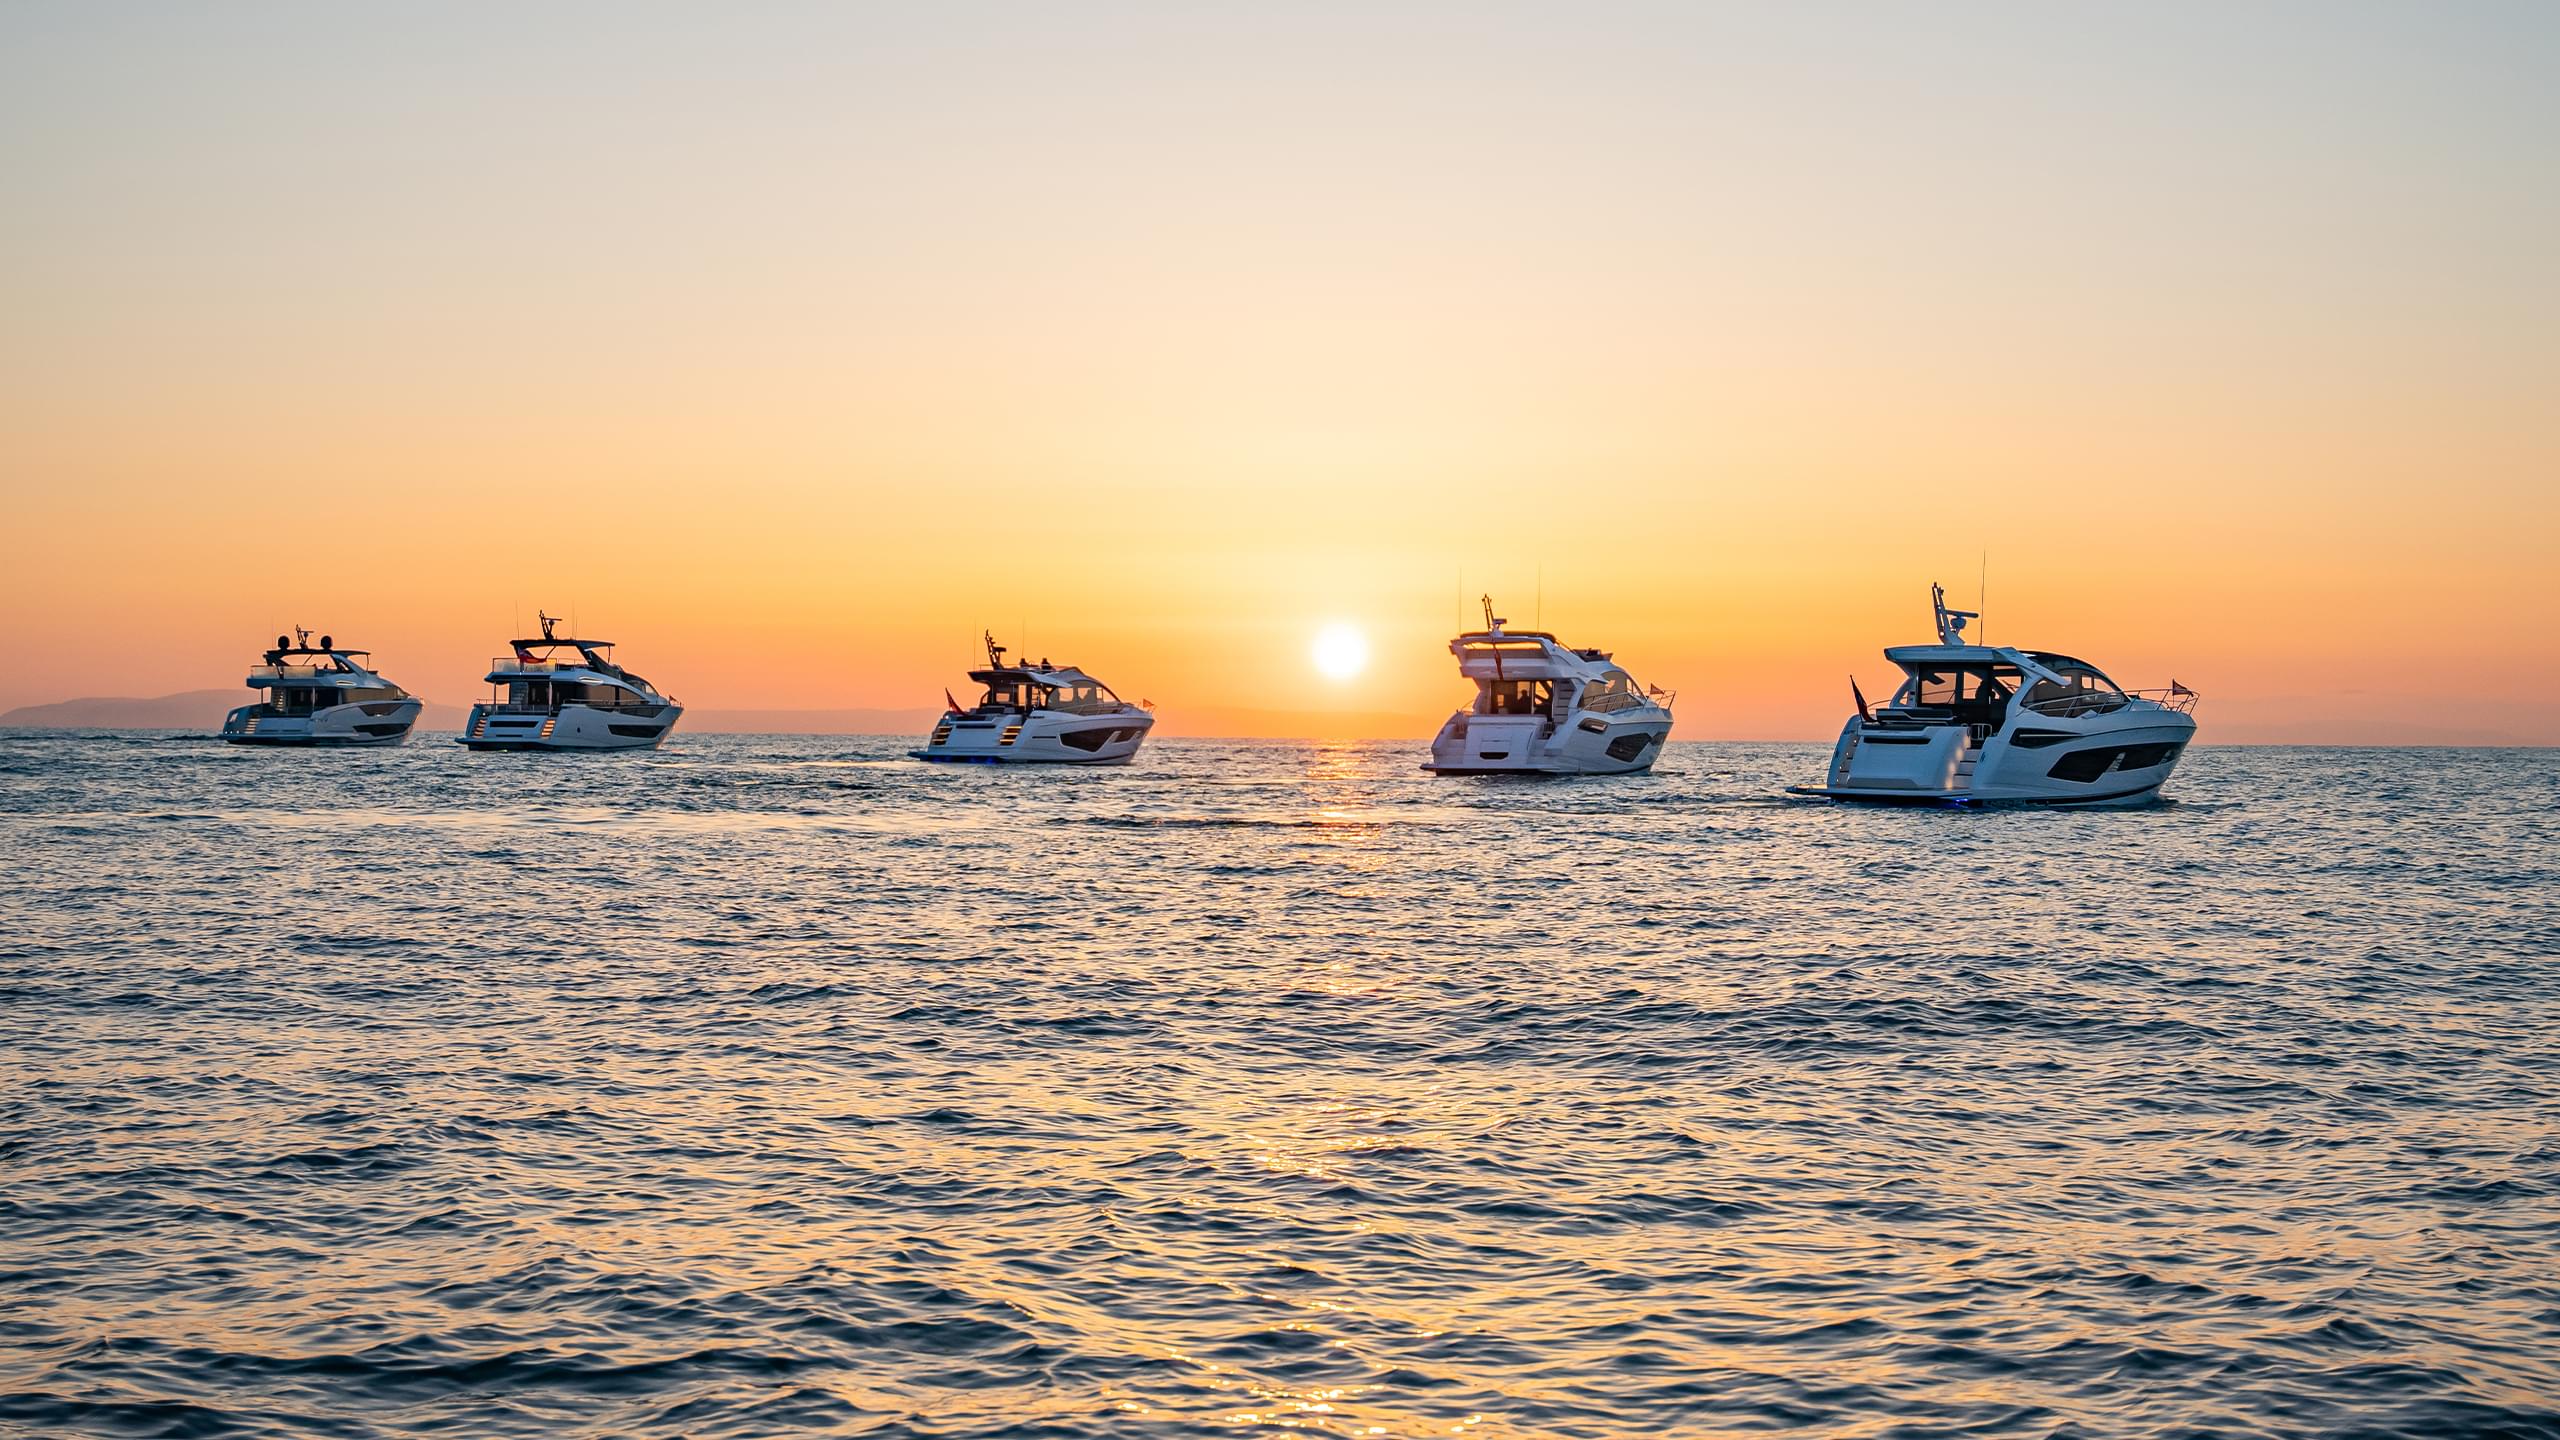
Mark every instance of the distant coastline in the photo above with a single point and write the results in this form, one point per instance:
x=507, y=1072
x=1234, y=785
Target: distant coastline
x=204, y=709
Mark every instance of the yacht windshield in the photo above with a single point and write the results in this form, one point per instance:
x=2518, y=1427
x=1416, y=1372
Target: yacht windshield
x=2080, y=689
x=1616, y=690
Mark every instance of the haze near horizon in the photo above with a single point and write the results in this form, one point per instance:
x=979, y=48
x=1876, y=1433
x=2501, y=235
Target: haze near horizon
x=792, y=346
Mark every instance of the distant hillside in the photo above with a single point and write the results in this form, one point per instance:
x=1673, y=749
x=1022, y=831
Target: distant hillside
x=807, y=722
x=202, y=710
x=190, y=710
x=187, y=710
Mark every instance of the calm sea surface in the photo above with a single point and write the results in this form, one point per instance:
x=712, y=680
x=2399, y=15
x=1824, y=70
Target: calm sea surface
x=775, y=1085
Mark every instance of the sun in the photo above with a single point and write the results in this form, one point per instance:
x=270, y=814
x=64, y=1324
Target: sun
x=1341, y=651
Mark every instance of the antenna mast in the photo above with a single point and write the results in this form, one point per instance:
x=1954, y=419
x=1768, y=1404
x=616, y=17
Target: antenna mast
x=1950, y=622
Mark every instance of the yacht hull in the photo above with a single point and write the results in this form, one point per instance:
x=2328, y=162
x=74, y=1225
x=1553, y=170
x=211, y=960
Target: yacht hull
x=2120, y=757
x=371, y=722
x=1044, y=737
x=571, y=727
x=1530, y=745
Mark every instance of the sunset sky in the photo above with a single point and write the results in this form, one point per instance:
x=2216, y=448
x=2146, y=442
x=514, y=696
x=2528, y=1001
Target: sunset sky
x=792, y=345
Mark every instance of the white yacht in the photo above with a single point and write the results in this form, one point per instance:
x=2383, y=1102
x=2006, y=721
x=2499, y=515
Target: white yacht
x=321, y=695
x=1988, y=724
x=1543, y=708
x=1038, y=714
x=559, y=693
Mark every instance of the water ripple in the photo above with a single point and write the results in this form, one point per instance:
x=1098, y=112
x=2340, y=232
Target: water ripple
x=767, y=1085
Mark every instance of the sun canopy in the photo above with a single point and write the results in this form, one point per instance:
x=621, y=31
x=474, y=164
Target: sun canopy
x=1063, y=678
x=1949, y=655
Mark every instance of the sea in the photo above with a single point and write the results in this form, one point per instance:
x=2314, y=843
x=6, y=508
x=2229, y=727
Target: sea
x=768, y=1086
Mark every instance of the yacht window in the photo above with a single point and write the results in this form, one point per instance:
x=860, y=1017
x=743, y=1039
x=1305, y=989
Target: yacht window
x=1517, y=697
x=1953, y=685
x=2079, y=689
x=2087, y=678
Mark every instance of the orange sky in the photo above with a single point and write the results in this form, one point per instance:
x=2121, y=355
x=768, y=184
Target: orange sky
x=792, y=345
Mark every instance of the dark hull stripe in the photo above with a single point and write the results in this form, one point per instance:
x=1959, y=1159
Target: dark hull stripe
x=312, y=742
x=928, y=755
x=1945, y=801
x=1524, y=770
x=549, y=746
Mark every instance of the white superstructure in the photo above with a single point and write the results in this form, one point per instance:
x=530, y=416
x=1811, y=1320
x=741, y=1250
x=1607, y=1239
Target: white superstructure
x=1981, y=724
x=558, y=693
x=1542, y=707
x=320, y=695
x=1038, y=714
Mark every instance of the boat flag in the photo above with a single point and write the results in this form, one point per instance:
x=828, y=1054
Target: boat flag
x=1861, y=697
x=2177, y=689
x=951, y=706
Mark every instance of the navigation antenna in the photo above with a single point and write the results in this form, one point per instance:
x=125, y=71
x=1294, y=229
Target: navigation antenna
x=548, y=620
x=995, y=652
x=301, y=637
x=1950, y=622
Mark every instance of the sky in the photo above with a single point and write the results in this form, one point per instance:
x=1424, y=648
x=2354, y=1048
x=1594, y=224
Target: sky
x=794, y=345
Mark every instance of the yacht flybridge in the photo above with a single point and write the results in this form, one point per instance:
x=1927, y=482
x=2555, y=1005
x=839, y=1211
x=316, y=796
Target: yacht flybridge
x=559, y=693
x=1544, y=708
x=1038, y=714
x=321, y=695
x=1984, y=724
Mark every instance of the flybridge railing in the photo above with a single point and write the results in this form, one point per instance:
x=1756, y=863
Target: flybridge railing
x=2172, y=696
x=2078, y=702
x=2099, y=702
x=535, y=667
